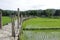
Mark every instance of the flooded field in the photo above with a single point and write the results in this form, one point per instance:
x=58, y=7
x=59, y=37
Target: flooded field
x=40, y=35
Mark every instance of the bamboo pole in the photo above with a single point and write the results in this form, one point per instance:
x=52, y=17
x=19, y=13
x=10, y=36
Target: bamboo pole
x=13, y=24
x=0, y=19
x=18, y=18
x=21, y=19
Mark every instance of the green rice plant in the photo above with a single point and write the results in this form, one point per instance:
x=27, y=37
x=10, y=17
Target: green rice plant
x=40, y=35
x=41, y=23
x=5, y=20
x=46, y=23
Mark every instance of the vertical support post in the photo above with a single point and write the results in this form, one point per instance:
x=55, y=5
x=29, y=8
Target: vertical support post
x=25, y=15
x=21, y=19
x=0, y=19
x=13, y=24
x=18, y=18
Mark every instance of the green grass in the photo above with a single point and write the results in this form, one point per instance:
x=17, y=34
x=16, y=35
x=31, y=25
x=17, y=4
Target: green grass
x=5, y=20
x=41, y=23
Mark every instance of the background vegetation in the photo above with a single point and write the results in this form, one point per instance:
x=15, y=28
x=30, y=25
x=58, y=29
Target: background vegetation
x=41, y=13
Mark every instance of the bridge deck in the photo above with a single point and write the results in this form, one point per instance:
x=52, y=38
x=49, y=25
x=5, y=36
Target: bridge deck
x=6, y=32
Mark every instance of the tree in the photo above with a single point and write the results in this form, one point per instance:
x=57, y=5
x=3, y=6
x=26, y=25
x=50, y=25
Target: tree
x=53, y=12
x=50, y=12
x=57, y=13
x=39, y=12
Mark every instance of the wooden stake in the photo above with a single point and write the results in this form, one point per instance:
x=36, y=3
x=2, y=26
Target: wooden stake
x=21, y=19
x=13, y=24
x=18, y=18
x=0, y=19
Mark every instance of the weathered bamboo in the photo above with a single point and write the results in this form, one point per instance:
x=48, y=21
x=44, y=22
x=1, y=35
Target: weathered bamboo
x=18, y=18
x=21, y=19
x=13, y=24
x=0, y=19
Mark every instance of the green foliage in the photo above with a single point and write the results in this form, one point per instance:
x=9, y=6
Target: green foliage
x=39, y=13
x=8, y=12
x=50, y=12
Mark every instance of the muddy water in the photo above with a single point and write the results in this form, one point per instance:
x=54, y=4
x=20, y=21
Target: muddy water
x=41, y=35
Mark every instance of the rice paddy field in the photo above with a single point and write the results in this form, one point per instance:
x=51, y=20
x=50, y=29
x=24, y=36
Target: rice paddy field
x=5, y=20
x=41, y=34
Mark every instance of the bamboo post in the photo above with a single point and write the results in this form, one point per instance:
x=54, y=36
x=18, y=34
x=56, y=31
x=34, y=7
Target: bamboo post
x=21, y=19
x=18, y=18
x=0, y=19
x=25, y=15
x=13, y=24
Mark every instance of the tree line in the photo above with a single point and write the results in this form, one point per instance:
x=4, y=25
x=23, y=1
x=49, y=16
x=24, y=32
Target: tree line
x=40, y=13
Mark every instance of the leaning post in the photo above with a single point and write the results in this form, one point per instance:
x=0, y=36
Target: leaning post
x=18, y=15
x=25, y=15
x=0, y=19
x=13, y=24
